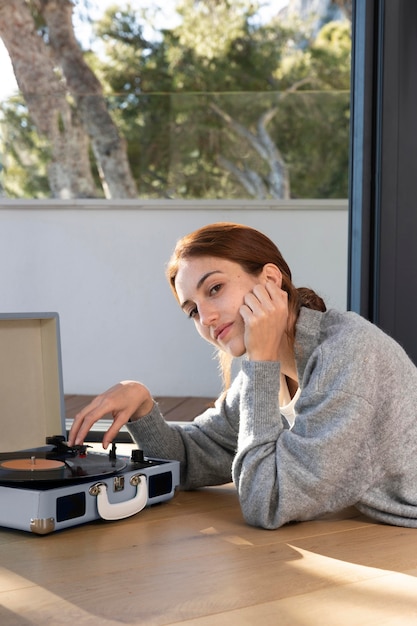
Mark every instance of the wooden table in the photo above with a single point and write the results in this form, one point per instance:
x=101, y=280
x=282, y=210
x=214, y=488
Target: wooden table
x=193, y=561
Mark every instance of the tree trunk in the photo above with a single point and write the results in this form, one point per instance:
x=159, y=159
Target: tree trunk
x=108, y=146
x=277, y=183
x=69, y=170
x=69, y=129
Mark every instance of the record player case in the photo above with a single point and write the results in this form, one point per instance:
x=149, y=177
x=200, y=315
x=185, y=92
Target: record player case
x=32, y=412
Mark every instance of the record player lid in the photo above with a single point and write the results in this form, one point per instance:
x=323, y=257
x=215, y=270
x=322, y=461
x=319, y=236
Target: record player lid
x=31, y=386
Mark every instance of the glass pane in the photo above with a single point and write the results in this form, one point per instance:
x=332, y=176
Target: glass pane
x=288, y=139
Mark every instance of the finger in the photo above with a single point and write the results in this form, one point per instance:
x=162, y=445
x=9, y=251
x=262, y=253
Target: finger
x=275, y=292
x=83, y=422
x=80, y=429
x=114, y=429
x=270, y=294
x=251, y=301
x=250, y=308
x=258, y=301
x=246, y=313
x=75, y=427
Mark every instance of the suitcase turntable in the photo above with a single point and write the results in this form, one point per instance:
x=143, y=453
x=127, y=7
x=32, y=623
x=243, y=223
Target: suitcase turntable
x=44, y=488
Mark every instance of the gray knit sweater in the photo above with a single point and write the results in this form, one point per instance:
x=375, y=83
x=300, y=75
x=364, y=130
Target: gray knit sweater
x=354, y=441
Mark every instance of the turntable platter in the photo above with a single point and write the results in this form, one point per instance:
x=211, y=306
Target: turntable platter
x=33, y=464
x=41, y=465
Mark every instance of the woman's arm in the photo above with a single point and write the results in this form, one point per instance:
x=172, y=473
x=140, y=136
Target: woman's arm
x=205, y=447
x=321, y=465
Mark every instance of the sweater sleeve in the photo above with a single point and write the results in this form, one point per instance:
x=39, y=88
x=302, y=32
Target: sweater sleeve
x=319, y=466
x=204, y=447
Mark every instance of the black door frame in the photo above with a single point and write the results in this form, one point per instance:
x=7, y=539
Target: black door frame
x=382, y=264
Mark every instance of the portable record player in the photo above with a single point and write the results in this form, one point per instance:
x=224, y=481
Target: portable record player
x=46, y=485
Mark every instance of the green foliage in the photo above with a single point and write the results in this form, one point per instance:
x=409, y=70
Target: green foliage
x=161, y=91
x=25, y=155
x=212, y=28
x=313, y=131
x=331, y=56
x=167, y=87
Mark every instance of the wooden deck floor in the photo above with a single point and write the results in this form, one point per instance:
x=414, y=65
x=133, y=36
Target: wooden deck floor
x=174, y=409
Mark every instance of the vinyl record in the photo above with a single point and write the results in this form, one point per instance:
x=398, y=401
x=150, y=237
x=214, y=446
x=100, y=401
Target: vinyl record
x=39, y=465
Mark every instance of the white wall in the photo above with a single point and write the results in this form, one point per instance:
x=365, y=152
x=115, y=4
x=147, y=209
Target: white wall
x=101, y=267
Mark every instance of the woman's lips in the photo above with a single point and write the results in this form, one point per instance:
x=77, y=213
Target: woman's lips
x=222, y=331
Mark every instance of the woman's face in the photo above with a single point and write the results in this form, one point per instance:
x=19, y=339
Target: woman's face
x=211, y=291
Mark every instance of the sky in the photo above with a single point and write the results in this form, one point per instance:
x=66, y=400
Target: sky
x=8, y=85
x=7, y=82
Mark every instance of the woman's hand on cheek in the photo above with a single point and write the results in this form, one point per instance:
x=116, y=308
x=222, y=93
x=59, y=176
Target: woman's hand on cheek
x=265, y=315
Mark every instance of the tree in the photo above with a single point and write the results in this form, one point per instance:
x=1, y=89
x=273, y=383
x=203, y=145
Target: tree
x=276, y=183
x=45, y=97
x=215, y=50
x=222, y=106
x=261, y=59
x=64, y=99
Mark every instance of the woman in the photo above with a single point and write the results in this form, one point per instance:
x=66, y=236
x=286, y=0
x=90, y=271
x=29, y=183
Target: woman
x=322, y=414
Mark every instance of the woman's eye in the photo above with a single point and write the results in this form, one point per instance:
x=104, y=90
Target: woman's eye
x=192, y=312
x=214, y=290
